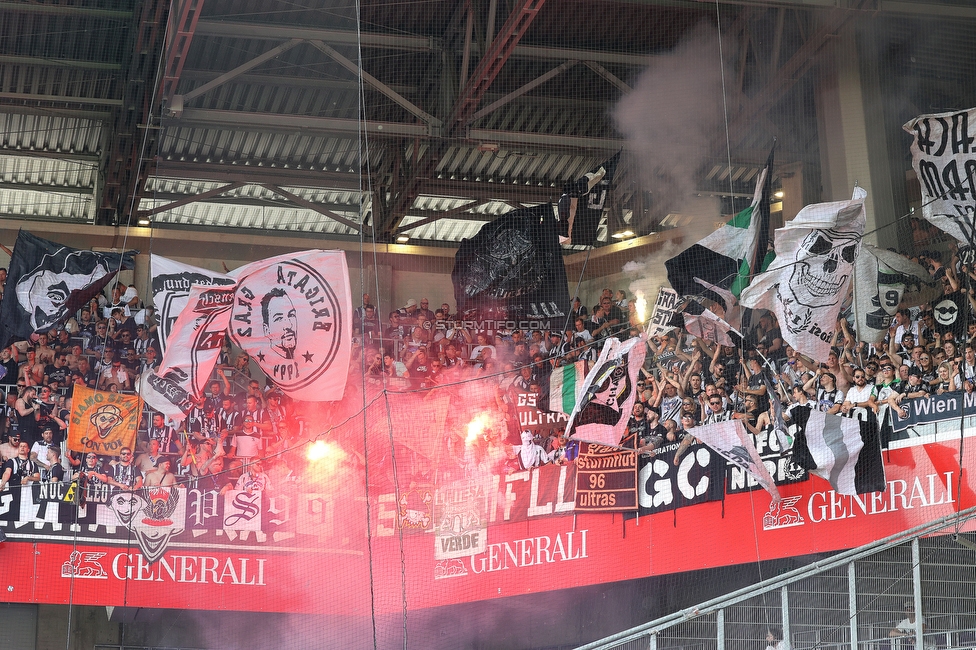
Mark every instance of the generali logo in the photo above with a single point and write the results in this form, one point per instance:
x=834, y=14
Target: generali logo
x=543, y=550
x=921, y=492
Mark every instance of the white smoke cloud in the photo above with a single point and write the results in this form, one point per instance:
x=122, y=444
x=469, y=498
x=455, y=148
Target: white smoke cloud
x=674, y=118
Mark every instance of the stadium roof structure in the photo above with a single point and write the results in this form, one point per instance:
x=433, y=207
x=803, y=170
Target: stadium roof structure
x=384, y=120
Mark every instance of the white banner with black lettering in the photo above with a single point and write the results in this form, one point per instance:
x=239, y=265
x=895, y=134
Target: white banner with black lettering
x=171, y=282
x=944, y=159
x=196, y=338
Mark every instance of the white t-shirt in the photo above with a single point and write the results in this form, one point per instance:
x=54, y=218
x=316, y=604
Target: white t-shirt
x=860, y=394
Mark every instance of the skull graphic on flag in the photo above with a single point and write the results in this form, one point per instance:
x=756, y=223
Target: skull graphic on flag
x=810, y=278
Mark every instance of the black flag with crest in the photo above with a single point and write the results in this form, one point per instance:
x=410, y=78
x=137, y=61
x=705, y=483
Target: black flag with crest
x=582, y=202
x=513, y=270
x=47, y=283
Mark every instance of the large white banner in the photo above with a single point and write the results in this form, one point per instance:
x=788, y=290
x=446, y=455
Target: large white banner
x=944, y=159
x=293, y=315
x=810, y=278
x=195, y=342
x=664, y=308
x=171, y=282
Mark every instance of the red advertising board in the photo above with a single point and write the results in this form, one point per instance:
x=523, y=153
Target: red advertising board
x=467, y=540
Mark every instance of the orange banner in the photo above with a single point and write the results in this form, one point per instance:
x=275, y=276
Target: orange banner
x=103, y=422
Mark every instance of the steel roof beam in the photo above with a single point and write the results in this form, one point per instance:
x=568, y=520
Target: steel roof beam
x=545, y=140
x=494, y=59
x=515, y=94
x=189, y=199
x=792, y=70
x=47, y=189
x=231, y=29
x=66, y=156
x=59, y=63
x=63, y=9
x=254, y=175
x=239, y=70
x=355, y=69
x=309, y=205
x=403, y=42
x=447, y=214
x=178, y=45
x=61, y=99
x=609, y=76
x=289, y=123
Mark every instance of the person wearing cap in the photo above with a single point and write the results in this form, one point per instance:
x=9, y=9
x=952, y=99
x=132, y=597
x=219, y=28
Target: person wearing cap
x=202, y=422
x=38, y=452
x=916, y=387
x=8, y=449
x=142, y=341
x=408, y=313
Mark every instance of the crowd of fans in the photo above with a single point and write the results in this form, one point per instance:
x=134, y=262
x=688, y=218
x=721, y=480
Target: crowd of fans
x=235, y=435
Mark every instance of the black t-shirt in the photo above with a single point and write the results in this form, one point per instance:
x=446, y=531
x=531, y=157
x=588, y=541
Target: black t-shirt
x=59, y=375
x=11, y=367
x=21, y=469
x=55, y=473
x=126, y=474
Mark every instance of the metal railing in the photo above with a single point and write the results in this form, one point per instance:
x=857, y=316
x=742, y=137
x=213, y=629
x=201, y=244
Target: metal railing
x=847, y=601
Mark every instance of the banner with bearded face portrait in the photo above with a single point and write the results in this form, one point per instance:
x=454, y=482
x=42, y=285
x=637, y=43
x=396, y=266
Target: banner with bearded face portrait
x=51, y=282
x=293, y=315
x=807, y=283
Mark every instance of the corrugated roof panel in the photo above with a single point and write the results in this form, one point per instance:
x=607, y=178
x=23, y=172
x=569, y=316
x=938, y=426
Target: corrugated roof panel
x=45, y=205
x=50, y=133
x=64, y=174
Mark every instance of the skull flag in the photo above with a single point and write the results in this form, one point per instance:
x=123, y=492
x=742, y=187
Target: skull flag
x=51, y=282
x=608, y=394
x=944, y=159
x=811, y=276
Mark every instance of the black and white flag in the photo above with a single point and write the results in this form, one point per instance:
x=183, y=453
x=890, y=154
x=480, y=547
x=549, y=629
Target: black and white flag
x=730, y=440
x=171, y=282
x=513, y=270
x=844, y=451
x=944, y=159
x=885, y=282
x=582, y=202
x=51, y=282
x=810, y=278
